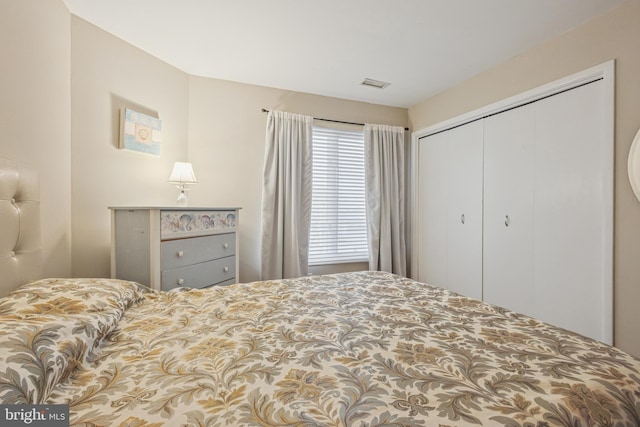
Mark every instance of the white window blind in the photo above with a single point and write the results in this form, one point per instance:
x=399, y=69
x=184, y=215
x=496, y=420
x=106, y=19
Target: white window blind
x=338, y=212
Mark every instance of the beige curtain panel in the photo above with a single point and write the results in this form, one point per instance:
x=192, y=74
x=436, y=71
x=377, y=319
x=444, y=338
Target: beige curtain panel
x=286, y=195
x=385, y=197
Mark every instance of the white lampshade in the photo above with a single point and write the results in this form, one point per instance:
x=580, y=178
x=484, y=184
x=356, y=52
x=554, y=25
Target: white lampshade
x=182, y=173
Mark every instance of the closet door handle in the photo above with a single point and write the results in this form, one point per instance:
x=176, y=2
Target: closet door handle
x=462, y=219
x=507, y=220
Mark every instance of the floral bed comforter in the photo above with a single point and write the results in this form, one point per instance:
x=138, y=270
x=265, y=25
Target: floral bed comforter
x=353, y=349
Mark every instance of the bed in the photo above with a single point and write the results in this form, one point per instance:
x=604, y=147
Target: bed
x=363, y=348
x=351, y=349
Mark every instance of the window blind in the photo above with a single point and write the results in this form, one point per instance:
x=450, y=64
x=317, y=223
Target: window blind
x=338, y=213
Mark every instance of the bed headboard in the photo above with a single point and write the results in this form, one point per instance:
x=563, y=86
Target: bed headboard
x=20, y=241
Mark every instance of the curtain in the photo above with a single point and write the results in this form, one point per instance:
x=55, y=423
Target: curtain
x=286, y=195
x=385, y=197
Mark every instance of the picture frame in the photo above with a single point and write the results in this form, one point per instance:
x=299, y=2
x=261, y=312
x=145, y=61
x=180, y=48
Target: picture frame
x=140, y=132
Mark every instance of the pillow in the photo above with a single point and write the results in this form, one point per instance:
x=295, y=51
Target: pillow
x=52, y=326
x=72, y=296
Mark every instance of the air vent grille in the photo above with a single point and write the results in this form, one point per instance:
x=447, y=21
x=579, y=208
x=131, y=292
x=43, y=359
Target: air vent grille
x=374, y=83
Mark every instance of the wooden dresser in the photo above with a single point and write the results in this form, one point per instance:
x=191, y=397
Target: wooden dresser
x=169, y=247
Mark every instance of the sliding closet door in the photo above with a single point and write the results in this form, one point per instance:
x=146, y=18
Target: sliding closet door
x=450, y=206
x=464, y=215
x=545, y=211
x=508, y=209
x=433, y=200
x=570, y=211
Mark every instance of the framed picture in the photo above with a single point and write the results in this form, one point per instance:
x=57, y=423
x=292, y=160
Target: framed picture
x=139, y=132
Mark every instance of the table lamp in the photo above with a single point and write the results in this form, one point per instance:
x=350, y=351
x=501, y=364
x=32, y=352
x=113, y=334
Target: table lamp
x=182, y=175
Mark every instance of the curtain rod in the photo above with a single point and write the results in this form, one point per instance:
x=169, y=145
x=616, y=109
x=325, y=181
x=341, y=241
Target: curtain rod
x=264, y=110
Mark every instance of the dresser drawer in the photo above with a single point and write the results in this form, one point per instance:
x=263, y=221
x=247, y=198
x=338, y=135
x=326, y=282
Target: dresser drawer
x=200, y=275
x=175, y=224
x=184, y=252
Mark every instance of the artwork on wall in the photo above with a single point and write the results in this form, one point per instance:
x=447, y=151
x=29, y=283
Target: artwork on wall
x=139, y=132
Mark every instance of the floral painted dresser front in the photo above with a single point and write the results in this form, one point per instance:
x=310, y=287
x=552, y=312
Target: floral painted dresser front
x=169, y=247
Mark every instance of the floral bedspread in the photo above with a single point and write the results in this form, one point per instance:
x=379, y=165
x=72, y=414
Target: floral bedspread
x=353, y=349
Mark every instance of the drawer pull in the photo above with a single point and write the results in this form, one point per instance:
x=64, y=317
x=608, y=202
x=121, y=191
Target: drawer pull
x=180, y=254
x=226, y=245
x=225, y=269
x=180, y=282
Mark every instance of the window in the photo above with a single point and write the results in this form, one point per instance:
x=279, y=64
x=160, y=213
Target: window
x=338, y=212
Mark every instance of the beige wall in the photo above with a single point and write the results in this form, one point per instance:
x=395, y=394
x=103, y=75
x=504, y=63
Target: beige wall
x=35, y=113
x=226, y=146
x=108, y=74
x=615, y=35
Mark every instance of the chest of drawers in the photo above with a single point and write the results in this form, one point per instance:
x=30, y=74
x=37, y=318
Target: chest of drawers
x=169, y=247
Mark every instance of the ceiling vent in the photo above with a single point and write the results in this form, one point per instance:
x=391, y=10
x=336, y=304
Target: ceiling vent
x=374, y=83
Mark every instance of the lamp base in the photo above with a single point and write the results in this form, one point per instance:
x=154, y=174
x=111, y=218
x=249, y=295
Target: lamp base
x=182, y=199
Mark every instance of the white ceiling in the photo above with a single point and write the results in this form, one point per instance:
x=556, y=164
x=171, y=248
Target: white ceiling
x=328, y=47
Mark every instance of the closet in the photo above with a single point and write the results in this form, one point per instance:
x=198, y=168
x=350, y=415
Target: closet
x=515, y=206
